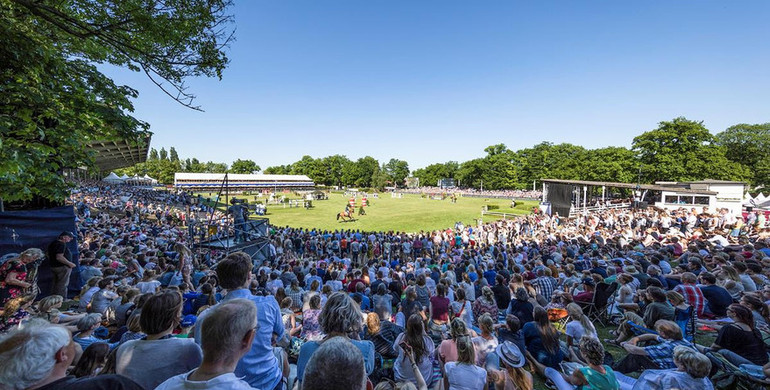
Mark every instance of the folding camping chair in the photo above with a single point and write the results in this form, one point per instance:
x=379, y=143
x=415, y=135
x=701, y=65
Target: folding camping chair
x=597, y=309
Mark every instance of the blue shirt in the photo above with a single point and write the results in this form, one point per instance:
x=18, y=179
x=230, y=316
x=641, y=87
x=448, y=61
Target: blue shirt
x=259, y=367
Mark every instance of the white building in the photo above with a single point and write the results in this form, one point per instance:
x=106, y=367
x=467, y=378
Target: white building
x=241, y=182
x=714, y=194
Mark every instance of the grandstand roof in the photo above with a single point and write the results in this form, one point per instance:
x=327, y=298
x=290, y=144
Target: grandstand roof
x=110, y=155
x=631, y=186
x=239, y=177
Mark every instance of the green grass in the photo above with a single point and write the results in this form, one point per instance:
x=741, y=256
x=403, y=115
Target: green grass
x=411, y=213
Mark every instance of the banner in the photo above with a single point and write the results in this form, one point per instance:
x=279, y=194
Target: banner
x=20, y=230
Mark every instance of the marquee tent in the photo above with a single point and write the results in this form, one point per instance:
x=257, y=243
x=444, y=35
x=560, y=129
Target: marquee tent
x=112, y=178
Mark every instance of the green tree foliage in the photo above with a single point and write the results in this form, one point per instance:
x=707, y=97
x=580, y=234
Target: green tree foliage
x=54, y=101
x=173, y=155
x=278, y=170
x=244, y=166
x=396, y=171
x=613, y=164
x=362, y=171
x=749, y=145
x=430, y=175
x=163, y=154
x=547, y=160
x=684, y=150
x=153, y=154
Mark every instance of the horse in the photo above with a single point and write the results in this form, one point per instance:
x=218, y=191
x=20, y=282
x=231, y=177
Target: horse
x=346, y=216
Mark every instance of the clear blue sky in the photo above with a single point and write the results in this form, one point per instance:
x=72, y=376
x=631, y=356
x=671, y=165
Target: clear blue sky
x=432, y=81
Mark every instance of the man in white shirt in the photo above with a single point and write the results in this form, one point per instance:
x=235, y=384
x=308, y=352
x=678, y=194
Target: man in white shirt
x=221, y=350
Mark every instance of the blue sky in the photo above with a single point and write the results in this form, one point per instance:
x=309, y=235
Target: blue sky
x=432, y=81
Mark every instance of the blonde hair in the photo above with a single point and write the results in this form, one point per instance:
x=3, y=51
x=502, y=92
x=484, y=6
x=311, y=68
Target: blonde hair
x=465, y=351
x=695, y=364
x=46, y=304
x=675, y=296
x=373, y=323
x=576, y=312
x=32, y=252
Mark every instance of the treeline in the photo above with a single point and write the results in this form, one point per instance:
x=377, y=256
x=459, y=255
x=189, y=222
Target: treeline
x=678, y=150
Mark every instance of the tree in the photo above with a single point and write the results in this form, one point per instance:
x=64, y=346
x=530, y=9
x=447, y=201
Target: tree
x=362, y=171
x=244, y=166
x=684, y=150
x=749, y=145
x=55, y=101
x=278, y=170
x=212, y=167
x=615, y=164
x=153, y=154
x=163, y=154
x=172, y=154
x=432, y=174
x=397, y=171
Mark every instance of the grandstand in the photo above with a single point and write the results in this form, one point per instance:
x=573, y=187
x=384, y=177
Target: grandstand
x=242, y=182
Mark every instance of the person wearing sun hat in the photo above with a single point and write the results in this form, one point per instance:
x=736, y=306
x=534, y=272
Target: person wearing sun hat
x=505, y=367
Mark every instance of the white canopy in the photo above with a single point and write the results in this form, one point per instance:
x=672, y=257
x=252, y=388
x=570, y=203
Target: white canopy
x=760, y=198
x=153, y=181
x=112, y=178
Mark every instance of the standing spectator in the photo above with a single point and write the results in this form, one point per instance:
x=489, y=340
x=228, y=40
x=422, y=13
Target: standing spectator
x=264, y=366
x=226, y=335
x=160, y=355
x=60, y=261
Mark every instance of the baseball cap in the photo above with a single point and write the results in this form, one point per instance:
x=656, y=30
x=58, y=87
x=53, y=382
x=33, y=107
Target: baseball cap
x=188, y=320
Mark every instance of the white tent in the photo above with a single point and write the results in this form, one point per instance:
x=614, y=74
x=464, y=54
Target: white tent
x=748, y=200
x=125, y=177
x=153, y=181
x=112, y=178
x=760, y=198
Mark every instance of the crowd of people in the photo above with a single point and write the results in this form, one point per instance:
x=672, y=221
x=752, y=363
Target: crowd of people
x=497, y=305
x=475, y=192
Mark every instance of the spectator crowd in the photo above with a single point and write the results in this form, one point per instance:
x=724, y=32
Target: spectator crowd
x=503, y=305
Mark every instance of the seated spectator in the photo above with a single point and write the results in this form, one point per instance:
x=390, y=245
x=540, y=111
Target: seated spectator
x=227, y=333
x=382, y=301
x=579, y=325
x=86, y=327
x=159, y=355
x=656, y=307
x=542, y=340
x=759, y=310
x=512, y=332
x=717, y=297
x=587, y=295
x=422, y=348
x=92, y=360
x=336, y=364
x=740, y=341
x=512, y=374
x=38, y=356
x=656, y=356
x=341, y=316
x=485, y=304
x=691, y=293
x=520, y=306
x=289, y=319
x=486, y=342
x=311, y=329
x=464, y=373
x=595, y=375
x=691, y=372
x=447, y=350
